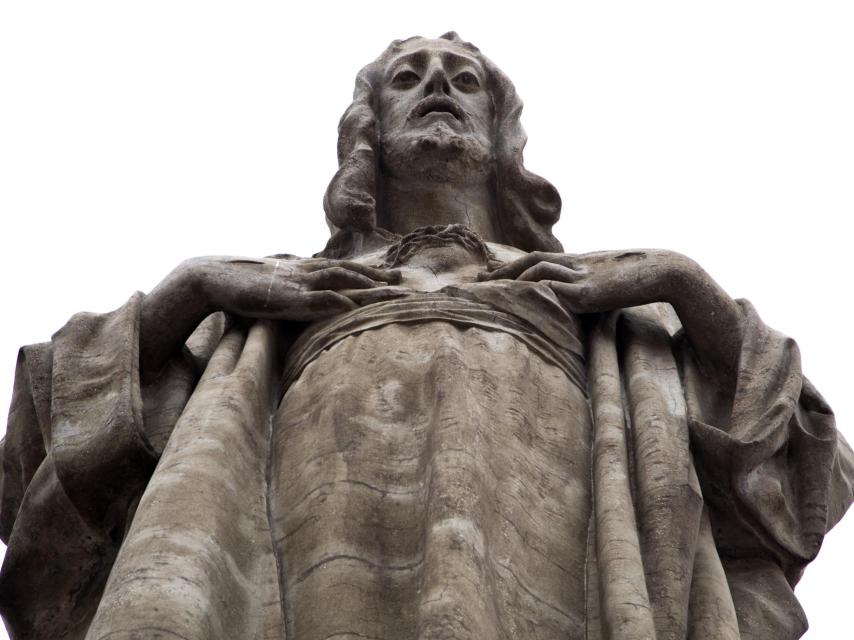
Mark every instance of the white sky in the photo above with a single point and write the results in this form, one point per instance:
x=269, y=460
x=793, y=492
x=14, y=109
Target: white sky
x=133, y=135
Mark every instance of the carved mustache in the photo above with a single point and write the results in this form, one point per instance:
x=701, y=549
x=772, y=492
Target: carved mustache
x=437, y=104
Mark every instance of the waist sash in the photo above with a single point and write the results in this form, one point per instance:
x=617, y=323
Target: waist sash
x=426, y=307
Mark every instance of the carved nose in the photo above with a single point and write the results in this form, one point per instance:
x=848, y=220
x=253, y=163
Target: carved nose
x=437, y=83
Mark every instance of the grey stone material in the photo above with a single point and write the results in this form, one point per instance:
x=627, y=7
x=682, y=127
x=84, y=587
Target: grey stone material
x=440, y=426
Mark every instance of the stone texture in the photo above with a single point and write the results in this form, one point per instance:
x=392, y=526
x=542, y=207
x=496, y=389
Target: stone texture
x=446, y=431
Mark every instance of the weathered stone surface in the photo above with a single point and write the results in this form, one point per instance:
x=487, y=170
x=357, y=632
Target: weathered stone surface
x=442, y=426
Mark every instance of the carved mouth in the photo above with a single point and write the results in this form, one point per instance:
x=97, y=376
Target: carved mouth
x=437, y=104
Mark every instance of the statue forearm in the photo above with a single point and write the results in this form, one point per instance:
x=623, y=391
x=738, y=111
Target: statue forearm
x=169, y=314
x=712, y=320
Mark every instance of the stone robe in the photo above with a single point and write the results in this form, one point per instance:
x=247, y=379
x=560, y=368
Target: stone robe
x=471, y=462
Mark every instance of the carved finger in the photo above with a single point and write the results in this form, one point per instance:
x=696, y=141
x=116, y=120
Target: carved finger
x=303, y=307
x=335, y=278
x=550, y=271
x=392, y=276
x=369, y=296
x=513, y=270
x=324, y=303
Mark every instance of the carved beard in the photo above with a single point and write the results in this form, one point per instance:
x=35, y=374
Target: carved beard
x=437, y=155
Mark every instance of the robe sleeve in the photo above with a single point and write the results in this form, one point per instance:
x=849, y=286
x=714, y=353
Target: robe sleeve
x=83, y=438
x=775, y=473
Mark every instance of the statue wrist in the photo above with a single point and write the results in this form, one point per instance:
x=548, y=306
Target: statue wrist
x=195, y=285
x=682, y=279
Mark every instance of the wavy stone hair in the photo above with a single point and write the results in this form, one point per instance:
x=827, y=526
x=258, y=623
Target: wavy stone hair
x=527, y=205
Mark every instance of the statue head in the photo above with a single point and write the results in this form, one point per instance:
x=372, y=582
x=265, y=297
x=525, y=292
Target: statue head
x=435, y=114
x=435, y=111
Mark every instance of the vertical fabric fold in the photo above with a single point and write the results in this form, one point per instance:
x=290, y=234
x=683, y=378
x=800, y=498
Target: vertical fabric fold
x=626, y=613
x=198, y=558
x=83, y=439
x=27, y=430
x=101, y=453
x=776, y=472
x=657, y=568
x=669, y=503
x=82, y=393
x=713, y=615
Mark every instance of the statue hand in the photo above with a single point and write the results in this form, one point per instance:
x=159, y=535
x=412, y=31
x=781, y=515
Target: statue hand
x=604, y=280
x=289, y=289
x=286, y=289
x=608, y=280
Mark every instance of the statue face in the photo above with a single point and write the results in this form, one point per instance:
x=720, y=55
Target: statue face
x=435, y=114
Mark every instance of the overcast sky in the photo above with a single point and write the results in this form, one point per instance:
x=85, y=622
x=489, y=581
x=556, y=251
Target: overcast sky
x=134, y=135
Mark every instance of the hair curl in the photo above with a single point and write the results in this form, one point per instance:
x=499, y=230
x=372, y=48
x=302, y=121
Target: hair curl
x=527, y=205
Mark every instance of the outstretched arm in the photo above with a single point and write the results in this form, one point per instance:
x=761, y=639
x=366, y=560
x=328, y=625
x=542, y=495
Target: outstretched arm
x=608, y=280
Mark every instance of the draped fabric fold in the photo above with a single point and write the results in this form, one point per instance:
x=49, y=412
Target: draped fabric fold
x=711, y=494
x=199, y=553
x=660, y=576
x=407, y=479
x=443, y=492
x=625, y=610
x=82, y=393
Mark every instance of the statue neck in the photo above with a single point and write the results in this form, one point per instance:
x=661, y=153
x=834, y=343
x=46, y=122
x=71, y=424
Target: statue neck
x=408, y=205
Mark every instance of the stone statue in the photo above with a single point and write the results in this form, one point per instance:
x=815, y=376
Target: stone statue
x=441, y=426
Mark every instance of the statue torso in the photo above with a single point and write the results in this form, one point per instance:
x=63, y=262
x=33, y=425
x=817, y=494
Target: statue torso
x=430, y=471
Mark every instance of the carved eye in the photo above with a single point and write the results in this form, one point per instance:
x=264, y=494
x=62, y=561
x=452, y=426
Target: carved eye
x=405, y=78
x=466, y=81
